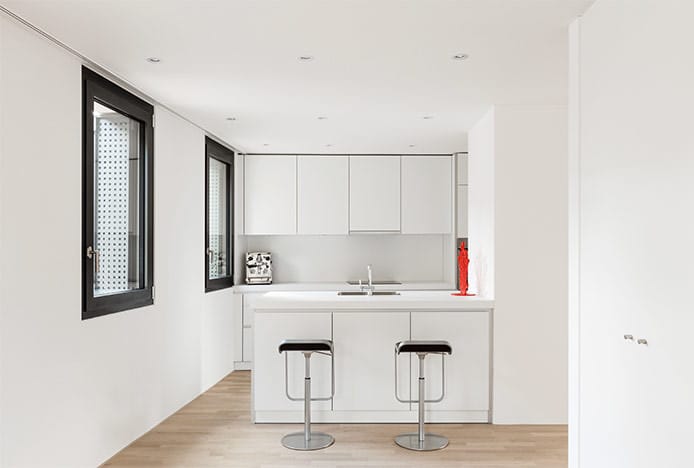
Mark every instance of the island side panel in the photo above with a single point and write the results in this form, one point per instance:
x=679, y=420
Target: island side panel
x=467, y=369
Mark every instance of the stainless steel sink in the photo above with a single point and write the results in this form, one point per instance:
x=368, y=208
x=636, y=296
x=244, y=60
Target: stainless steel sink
x=365, y=293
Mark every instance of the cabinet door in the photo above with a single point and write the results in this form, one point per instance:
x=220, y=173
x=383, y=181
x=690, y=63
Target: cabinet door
x=247, y=344
x=364, y=344
x=270, y=195
x=467, y=369
x=427, y=194
x=247, y=326
x=462, y=211
x=270, y=329
x=374, y=193
x=461, y=164
x=323, y=194
x=238, y=326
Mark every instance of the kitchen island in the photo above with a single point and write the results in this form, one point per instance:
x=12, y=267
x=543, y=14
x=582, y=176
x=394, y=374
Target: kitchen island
x=364, y=330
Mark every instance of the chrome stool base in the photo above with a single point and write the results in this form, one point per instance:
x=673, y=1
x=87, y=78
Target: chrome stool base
x=318, y=440
x=431, y=442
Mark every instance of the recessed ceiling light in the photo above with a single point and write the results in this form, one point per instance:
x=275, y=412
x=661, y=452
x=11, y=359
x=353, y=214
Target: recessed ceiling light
x=460, y=57
x=322, y=117
x=428, y=117
x=153, y=59
x=266, y=144
x=231, y=119
x=412, y=146
x=328, y=145
x=305, y=58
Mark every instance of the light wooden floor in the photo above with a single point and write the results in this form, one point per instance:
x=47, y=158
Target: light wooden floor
x=215, y=430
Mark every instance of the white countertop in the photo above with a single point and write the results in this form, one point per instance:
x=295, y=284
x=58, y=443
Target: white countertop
x=329, y=300
x=340, y=286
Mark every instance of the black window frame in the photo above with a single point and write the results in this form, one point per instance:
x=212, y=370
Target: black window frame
x=96, y=88
x=224, y=155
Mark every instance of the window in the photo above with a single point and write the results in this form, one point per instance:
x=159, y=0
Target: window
x=219, y=202
x=117, y=199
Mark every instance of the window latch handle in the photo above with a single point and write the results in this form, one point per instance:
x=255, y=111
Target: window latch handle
x=93, y=254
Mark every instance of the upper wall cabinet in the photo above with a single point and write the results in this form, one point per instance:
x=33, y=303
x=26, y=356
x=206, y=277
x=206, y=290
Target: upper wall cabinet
x=461, y=162
x=374, y=193
x=427, y=196
x=270, y=194
x=462, y=211
x=323, y=194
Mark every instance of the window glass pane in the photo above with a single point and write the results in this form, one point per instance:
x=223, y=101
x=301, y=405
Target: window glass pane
x=117, y=142
x=217, y=254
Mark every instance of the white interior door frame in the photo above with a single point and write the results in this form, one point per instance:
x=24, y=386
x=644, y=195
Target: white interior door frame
x=574, y=241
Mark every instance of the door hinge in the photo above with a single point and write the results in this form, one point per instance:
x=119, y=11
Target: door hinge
x=154, y=120
x=153, y=292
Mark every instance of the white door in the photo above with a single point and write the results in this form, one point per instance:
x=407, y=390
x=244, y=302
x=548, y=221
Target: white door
x=270, y=194
x=364, y=345
x=427, y=194
x=270, y=330
x=467, y=369
x=374, y=193
x=663, y=381
x=323, y=194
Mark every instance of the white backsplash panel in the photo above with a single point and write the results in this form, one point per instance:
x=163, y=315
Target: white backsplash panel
x=407, y=258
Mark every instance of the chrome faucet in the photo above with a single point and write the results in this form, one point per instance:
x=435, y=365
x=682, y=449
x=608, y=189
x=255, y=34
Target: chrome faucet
x=370, y=287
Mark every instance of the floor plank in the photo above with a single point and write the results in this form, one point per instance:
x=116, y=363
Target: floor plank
x=215, y=430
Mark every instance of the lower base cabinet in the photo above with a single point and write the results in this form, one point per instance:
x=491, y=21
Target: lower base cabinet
x=268, y=385
x=364, y=345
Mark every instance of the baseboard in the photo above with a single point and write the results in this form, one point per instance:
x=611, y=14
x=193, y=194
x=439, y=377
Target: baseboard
x=243, y=365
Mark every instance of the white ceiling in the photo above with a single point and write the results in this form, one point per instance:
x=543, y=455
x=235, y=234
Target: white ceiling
x=379, y=67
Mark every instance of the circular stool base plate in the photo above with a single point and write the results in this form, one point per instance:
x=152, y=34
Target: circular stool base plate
x=430, y=442
x=318, y=440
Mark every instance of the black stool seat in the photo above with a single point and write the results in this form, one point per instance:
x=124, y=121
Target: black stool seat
x=306, y=345
x=421, y=346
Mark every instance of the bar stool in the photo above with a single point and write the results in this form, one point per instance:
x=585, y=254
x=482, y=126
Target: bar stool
x=419, y=440
x=307, y=440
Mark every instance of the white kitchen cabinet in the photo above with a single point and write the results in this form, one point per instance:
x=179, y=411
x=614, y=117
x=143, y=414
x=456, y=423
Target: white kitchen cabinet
x=239, y=175
x=237, y=308
x=467, y=369
x=364, y=346
x=374, y=193
x=268, y=386
x=323, y=194
x=462, y=211
x=270, y=194
x=247, y=324
x=247, y=345
x=461, y=160
x=427, y=196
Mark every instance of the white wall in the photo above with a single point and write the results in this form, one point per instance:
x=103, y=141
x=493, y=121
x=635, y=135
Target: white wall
x=636, y=253
x=574, y=194
x=412, y=258
x=2, y=245
x=481, y=206
x=74, y=392
x=524, y=149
